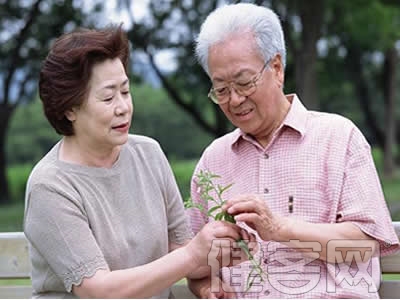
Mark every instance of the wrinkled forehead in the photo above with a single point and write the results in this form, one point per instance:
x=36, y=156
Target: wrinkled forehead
x=233, y=56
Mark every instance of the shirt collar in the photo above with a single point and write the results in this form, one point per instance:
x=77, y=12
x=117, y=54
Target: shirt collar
x=296, y=119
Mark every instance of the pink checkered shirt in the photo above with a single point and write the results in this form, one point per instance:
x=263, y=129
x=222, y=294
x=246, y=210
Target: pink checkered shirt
x=324, y=162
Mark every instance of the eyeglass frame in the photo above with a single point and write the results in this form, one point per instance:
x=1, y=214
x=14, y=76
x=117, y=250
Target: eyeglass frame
x=253, y=81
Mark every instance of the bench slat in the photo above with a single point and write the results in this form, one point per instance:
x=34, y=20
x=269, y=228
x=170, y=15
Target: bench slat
x=14, y=256
x=15, y=292
x=389, y=289
x=15, y=264
x=391, y=264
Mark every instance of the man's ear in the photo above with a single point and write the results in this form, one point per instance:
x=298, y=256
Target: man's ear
x=277, y=66
x=70, y=114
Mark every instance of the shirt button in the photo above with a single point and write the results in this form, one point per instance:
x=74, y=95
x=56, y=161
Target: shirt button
x=266, y=191
x=266, y=156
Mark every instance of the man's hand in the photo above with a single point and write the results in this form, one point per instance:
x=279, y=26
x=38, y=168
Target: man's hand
x=253, y=211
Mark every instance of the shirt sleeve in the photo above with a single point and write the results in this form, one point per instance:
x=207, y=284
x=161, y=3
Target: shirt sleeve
x=178, y=227
x=57, y=227
x=362, y=201
x=197, y=217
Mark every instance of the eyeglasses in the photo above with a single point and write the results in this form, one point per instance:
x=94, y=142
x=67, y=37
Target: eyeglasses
x=222, y=94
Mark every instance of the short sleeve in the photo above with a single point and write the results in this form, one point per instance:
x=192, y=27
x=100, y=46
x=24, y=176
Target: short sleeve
x=178, y=228
x=197, y=217
x=362, y=201
x=57, y=227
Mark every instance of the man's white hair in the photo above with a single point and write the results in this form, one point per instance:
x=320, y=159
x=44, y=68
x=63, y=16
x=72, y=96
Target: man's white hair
x=236, y=18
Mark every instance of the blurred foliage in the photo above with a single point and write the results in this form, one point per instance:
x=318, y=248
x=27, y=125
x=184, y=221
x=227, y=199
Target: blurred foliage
x=31, y=136
x=18, y=176
x=156, y=116
x=11, y=216
x=179, y=116
x=183, y=171
x=27, y=29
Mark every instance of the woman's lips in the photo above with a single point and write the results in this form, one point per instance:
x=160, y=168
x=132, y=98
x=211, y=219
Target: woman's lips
x=122, y=127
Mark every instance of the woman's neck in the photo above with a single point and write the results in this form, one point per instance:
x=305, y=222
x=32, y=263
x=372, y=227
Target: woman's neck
x=72, y=150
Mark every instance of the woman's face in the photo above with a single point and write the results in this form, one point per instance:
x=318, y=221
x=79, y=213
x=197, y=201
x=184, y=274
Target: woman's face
x=103, y=120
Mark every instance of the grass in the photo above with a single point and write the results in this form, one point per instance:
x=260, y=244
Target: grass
x=17, y=177
x=15, y=282
x=391, y=188
x=11, y=217
x=391, y=276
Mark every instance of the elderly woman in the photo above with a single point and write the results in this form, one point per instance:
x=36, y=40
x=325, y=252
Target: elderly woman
x=104, y=213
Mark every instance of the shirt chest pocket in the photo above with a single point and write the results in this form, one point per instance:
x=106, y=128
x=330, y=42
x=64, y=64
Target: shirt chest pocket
x=303, y=203
x=310, y=205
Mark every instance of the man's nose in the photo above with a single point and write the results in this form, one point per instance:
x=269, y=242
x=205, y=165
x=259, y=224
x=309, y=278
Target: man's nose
x=235, y=98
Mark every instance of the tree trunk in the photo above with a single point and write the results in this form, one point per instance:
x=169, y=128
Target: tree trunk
x=389, y=86
x=355, y=71
x=221, y=125
x=5, y=115
x=311, y=15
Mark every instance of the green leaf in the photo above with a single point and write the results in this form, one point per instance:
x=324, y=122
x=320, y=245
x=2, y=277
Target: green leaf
x=223, y=189
x=229, y=218
x=206, y=186
x=200, y=207
x=218, y=216
x=211, y=210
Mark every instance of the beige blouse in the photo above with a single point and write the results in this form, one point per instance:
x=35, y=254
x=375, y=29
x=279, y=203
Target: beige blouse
x=80, y=219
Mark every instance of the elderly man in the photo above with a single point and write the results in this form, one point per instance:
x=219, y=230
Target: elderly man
x=304, y=181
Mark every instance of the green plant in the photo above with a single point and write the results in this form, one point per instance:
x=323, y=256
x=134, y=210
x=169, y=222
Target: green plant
x=207, y=186
x=17, y=177
x=183, y=170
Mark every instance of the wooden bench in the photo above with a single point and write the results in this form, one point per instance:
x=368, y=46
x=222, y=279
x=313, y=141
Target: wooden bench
x=14, y=264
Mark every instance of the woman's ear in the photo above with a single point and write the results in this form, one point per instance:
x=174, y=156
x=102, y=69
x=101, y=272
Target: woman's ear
x=70, y=114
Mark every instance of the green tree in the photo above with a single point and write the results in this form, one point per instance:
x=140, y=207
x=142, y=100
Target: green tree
x=156, y=116
x=30, y=135
x=26, y=30
x=173, y=26
x=367, y=31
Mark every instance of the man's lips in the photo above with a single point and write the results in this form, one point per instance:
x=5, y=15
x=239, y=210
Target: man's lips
x=243, y=112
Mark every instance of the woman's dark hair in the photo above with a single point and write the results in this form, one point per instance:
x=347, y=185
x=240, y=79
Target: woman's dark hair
x=66, y=71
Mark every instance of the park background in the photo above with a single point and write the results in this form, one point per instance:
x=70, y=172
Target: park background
x=343, y=57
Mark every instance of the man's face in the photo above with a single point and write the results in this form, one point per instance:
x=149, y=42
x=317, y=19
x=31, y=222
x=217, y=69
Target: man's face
x=236, y=60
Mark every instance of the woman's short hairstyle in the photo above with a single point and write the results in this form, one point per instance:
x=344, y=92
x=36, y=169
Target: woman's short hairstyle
x=66, y=71
x=237, y=18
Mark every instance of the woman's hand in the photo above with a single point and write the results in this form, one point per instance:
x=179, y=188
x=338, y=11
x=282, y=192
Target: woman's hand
x=212, y=238
x=203, y=289
x=218, y=240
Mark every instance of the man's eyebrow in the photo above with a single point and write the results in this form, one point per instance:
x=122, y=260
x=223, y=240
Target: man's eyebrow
x=237, y=75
